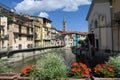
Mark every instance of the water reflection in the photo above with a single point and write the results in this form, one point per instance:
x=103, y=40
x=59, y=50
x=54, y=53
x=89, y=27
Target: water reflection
x=66, y=54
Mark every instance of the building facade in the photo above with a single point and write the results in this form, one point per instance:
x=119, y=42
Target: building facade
x=46, y=32
x=116, y=24
x=72, y=38
x=3, y=32
x=20, y=34
x=55, y=37
x=99, y=22
x=19, y=30
x=37, y=30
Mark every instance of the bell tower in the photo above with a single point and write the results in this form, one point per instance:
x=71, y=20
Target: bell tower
x=64, y=24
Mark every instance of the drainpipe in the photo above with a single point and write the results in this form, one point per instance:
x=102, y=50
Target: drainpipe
x=111, y=25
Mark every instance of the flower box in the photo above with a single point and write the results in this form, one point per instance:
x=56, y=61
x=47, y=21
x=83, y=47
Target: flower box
x=100, y=78
x=22, y=77
x=78, y=79
x=8, y=76
x=69, y=79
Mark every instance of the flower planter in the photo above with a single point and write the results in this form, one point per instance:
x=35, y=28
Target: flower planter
x=99, y=78
x=22, y=77
x=78, y=79
x=69, y=79
x=8, y=76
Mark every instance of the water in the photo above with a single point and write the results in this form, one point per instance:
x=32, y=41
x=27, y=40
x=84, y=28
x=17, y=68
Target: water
x=66, y=54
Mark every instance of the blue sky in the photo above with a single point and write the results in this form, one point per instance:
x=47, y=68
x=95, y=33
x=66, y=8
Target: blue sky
x=75, y=11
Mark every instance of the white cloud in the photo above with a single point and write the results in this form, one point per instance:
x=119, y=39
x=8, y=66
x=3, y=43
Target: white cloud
x=35, y=6
x=43, y=14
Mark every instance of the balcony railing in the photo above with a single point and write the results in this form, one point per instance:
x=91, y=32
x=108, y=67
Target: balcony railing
x=2, y=36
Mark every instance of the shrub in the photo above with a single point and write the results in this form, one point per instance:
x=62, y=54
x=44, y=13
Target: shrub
x=115, y=62
x=4, y=67
x=51, y=66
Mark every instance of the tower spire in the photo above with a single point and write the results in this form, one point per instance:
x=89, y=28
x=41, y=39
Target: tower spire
x=64, y=24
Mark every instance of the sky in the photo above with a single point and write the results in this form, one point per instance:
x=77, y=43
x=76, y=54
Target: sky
x=75, y=11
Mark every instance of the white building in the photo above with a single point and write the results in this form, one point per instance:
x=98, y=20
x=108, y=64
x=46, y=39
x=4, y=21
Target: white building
x=99, y=21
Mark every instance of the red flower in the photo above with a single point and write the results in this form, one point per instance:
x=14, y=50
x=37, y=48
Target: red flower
x=87, y=72
x=103, y=64
x=24, y=70
x=104, y=69
x=29, y=67
x=83, y=65
x=110, y=69
x=83, y=74
x=75, y=64
x=99, y=69
x=73, y=70
x=78, y=69
x=90, y=70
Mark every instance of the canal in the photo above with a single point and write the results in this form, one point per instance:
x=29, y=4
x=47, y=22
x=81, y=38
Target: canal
x=66, y=53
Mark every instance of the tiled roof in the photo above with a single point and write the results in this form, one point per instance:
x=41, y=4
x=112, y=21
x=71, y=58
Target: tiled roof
x=80, y=33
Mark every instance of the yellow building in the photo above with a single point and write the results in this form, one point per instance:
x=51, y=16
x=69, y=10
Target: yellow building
x=38, y=30
x=19, y=30
x=42, y=31
x=24, y=31
x=21, y=33
x=46, y=32
x=3, y=32
x=116, y=24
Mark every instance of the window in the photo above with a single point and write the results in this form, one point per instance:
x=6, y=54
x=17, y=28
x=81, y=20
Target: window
x=96, y=24
x=20, y=46
x=20, y=37
x=28, y=30
x=19, y=28
x=29, y=38
x=32, y=30
x=102, y=18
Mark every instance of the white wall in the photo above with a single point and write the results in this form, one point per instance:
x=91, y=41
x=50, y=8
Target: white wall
x=98, y=10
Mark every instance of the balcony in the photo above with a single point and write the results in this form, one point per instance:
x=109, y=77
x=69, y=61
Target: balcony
x=2, y=36
x=37, y=38
x=47, y=38
x=36, y=24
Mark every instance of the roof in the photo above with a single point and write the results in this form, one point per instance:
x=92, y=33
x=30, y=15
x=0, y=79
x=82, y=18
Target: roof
x=41, y=17
x=80, y=33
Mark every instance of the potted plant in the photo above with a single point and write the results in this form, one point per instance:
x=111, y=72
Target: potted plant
x=115, y=62
x=80, y=70
x=103, y=72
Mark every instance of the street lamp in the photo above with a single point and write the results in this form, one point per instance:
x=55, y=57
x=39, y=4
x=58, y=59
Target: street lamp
x=76, y=49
